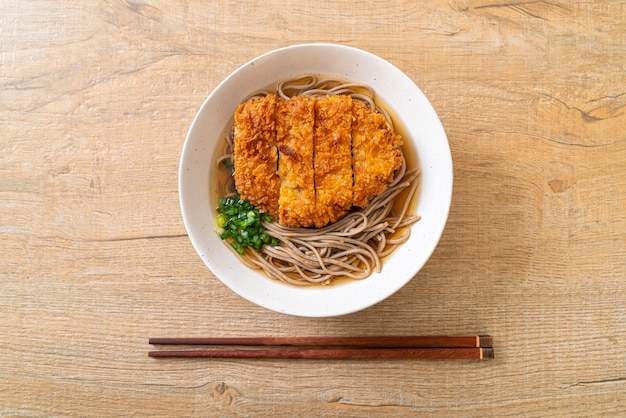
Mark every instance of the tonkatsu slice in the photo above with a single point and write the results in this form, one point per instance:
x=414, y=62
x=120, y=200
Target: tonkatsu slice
x=256, y=155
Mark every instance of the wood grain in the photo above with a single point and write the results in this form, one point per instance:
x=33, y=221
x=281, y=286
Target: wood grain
x=95, y=102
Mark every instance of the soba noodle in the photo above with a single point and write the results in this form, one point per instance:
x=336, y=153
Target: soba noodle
x=352, y=247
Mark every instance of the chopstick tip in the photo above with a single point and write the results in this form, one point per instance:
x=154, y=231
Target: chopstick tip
x=487, y=354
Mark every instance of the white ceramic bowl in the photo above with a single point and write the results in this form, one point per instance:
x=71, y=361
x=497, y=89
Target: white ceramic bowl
x=407, y=103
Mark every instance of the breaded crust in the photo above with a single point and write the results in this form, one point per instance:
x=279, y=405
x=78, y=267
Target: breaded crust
x=294, y=137
x=307, y=162
x=255, y=154
x=376, y=153
x=332, y=158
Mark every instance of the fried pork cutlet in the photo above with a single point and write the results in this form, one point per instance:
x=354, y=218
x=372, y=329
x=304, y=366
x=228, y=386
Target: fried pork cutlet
x=255, y=154
x=376, y=153
x=307, y=161
x=332, y=158
x=294, y=137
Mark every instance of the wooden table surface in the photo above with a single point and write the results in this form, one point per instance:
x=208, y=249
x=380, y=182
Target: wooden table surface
x=95, y=101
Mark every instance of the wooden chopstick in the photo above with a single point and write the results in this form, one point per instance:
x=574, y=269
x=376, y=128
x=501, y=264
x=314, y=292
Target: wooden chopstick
x=341, y=353
x=390, y=347
x=467, y=341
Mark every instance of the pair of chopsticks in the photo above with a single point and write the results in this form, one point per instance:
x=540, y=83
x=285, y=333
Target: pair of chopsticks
x=477, y=347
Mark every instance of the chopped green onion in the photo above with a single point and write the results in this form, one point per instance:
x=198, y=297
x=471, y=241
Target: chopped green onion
x=241, y=223
x=221, y=220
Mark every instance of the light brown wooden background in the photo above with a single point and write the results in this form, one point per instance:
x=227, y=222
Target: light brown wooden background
x=95, y=100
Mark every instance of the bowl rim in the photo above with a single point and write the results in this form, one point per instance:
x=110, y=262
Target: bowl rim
x=317, y=301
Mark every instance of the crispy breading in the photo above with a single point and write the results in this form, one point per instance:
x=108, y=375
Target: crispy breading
x=307, y=162
x=376, y=153
x=332, y=158
x=294, y=137
x=255, y=154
